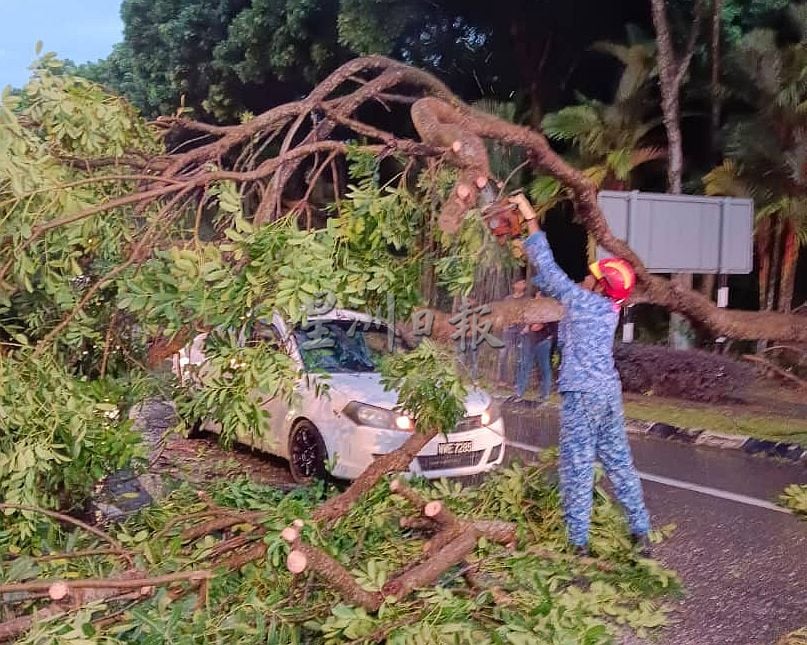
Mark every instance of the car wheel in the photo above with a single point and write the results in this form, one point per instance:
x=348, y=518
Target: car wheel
x=307, y=453
x=196, y=431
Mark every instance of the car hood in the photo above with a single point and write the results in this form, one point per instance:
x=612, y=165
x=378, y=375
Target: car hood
x=366, y=387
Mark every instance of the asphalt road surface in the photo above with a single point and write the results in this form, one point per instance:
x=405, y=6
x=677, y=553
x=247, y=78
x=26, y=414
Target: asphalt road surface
x=742, y=560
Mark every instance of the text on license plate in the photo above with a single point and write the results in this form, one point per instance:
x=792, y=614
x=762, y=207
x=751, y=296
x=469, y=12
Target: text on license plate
x=454, y=448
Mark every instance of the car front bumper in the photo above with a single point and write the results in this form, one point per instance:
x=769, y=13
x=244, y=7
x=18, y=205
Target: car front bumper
x=353, y=454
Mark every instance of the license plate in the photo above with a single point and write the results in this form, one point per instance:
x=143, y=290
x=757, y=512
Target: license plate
x=454, y=448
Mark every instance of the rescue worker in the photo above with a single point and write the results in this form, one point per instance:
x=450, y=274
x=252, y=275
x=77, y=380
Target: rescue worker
x=592, y=423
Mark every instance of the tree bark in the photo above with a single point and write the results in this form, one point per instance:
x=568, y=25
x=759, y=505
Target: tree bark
x=708, y=285
x=762, y=242
x=395, y=461
x=776, y=262
x=671, y=75
x=337, y=576
x=790, y=258
x=430, y=570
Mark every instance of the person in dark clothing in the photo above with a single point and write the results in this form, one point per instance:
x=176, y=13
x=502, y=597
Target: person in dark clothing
x=535, y=349
x=511, y=338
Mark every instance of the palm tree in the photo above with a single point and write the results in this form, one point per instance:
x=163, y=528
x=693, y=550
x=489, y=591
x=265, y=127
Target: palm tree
x=610, y=140
x=766, y=152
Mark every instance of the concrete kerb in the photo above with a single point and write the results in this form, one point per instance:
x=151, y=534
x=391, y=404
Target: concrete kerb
x=709, y=439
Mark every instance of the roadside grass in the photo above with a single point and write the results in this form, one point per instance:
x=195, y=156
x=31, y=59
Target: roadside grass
x=719, y=418
x=772, y=412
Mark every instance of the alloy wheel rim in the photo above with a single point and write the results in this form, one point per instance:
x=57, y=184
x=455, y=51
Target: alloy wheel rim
x=305, y=452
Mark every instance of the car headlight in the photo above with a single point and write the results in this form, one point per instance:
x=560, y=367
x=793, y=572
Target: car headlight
x=492, y=413
x=369, y=415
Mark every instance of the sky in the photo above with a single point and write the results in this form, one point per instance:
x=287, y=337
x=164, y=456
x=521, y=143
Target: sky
x=80, y=30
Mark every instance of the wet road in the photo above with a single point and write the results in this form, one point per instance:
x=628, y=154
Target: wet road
x=743, y=563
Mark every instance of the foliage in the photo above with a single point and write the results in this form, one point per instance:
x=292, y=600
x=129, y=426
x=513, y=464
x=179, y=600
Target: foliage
x=610, y=140
x=84, y=301
x=693, y=375
x=58, y=435
x=229, y=381
x=62, y=427
x=219, y=56
x=553, y=600
x=765, y=147
x=428, y=386
x=794, y=497
x=740, y=16
x=223, y=57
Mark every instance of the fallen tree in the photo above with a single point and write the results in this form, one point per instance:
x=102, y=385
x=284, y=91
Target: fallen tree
x=449, y=131
x=105, y=244
x=368, y=578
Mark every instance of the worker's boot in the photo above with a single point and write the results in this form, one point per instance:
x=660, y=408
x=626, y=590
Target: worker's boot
x=581, y=550
x=641, y=544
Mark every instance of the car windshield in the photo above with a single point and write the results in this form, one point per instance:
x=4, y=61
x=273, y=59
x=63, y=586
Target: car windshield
x=345, y=345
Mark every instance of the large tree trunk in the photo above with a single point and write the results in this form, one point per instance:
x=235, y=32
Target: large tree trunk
x=708, y=285
x=762, y=242
x=790, y=258
x=682, y=335
x=776, y=262
x=671, y=75
x=530, y=67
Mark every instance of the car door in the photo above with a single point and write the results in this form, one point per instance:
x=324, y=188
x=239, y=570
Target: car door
x=273, y=441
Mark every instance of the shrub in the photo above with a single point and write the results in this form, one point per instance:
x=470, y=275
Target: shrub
x=693, y=375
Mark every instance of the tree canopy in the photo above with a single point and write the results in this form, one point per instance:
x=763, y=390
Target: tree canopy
x=222, y=57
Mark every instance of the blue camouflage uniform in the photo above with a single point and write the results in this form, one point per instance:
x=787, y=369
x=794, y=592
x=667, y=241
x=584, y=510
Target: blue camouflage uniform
x=592, y=423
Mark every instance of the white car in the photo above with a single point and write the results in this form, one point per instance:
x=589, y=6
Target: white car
x=343, y=429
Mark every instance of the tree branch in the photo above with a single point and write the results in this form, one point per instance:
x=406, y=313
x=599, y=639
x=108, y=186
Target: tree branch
x=119, y=549
x=689, y=49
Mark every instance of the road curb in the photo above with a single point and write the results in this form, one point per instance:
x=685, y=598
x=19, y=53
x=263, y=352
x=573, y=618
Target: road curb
x=791, y=452
x=698, y=437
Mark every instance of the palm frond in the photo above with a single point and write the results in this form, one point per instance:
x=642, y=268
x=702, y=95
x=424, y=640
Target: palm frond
x=620, y=52
x=619, y=163
x=650, y=153
x=597, y=174
x=579, y=124
x=755, y=66
x=640, y=65
x=726, y=180
x=545, y=193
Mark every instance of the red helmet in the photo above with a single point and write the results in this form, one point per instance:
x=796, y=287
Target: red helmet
x=616, y=276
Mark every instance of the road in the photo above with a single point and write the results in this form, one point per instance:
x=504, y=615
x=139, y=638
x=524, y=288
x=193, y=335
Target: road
x=742, y=561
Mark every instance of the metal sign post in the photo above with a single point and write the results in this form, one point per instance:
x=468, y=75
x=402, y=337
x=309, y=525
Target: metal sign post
x=627, y=324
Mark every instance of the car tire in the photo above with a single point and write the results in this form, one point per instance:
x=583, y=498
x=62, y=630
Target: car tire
x=307, y=453
x=195, y=431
